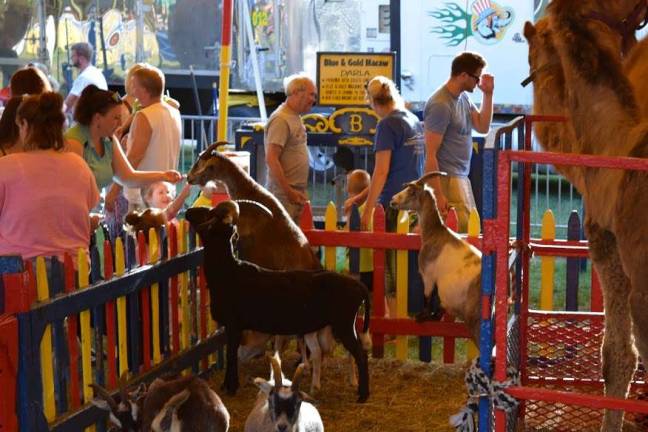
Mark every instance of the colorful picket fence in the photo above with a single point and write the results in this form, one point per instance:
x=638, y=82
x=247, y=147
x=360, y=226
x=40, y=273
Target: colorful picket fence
x=408, y=286
x=145, y=315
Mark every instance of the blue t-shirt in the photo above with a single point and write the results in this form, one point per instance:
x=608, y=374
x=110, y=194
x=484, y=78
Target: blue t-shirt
x=402, y=133
x=449, y=116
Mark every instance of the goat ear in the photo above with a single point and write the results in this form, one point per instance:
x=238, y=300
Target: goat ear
x=263, y=385
x=529, y=31
x=141, y=390
x=307, y=398
x=101, y=404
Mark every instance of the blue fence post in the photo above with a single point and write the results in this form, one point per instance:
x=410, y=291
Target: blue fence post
x=30, y=387
x=488, y=278
x=56, y=283
x=132, y=304
x=354, y=253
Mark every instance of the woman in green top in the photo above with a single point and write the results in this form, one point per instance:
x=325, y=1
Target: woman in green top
x=98, y=113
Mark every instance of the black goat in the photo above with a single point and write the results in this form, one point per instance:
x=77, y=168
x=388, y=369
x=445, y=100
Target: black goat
x=245, y=296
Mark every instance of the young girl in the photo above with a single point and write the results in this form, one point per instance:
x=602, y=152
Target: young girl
x=162, y=195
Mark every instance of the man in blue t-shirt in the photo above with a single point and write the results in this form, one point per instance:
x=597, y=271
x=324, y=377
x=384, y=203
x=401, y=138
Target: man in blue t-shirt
x=449, y=118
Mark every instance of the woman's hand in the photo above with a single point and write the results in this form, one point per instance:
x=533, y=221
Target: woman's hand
x=172, y=176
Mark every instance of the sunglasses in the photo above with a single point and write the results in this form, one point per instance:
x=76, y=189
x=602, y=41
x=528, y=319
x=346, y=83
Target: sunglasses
x=475, y=77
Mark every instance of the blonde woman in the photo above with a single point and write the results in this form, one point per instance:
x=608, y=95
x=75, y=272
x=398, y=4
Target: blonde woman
x=400, y=156
x=399, y=145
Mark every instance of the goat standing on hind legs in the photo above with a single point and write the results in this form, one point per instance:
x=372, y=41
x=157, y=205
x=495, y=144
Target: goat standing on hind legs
x=245, y=296
x=445, y=260
x=269, y=239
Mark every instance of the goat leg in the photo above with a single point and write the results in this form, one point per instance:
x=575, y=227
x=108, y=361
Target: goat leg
x=432, y=309
x=231, y=383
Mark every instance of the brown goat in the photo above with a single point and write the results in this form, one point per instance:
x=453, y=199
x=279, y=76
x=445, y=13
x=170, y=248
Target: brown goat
x=184, y=404
x=284, y=246
x=273, y=242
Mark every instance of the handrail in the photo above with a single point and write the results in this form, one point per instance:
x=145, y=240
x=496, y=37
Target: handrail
x=494, y=135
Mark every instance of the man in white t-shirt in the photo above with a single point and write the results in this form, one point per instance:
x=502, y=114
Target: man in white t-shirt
x=88, y=74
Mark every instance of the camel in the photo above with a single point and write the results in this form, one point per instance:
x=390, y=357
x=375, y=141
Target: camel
x=588, y=81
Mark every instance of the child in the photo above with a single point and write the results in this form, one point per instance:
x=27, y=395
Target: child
x=163, y=206
x=162, y=195
x=358, y=182
x=357, y=186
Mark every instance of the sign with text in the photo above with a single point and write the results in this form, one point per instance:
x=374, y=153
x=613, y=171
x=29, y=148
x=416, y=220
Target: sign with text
x=341, y=77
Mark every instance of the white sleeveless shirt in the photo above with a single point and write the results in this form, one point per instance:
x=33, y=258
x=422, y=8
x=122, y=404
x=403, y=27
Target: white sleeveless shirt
x=163, y=150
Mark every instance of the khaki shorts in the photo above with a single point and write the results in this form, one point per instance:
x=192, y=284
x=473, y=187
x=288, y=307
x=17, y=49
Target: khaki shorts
x=458, y=192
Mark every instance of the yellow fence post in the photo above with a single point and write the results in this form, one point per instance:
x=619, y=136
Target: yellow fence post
x=86, y=336
x=401, y=284
x=154, y=256
x=547, y=263
x=330, y=224
x=120, y=267
x=47, y=368
x=184, y=288
x=474, y=228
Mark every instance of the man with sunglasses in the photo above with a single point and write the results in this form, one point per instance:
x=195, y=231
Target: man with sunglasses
x=450, y=117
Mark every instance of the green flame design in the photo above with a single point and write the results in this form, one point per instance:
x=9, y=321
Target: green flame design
x=456, y=27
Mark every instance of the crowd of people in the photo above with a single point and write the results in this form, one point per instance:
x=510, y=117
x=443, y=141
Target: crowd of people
x=58, y=180
x=121, y=153
x=404, y=147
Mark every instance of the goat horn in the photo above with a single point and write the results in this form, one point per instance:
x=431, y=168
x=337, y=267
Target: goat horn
x=276, y=370
x=297, y=377
x=105, y=395
x=429, y=175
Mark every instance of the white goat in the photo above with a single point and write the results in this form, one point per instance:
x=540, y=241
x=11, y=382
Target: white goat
x=280, y=406
x=445, y=259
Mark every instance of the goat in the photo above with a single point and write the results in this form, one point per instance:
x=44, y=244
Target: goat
x=273, y=242
x=136, y=221
x=445, y=259
x=281, y=406
x=183, y=405
x=245, y=296
x=284, y=247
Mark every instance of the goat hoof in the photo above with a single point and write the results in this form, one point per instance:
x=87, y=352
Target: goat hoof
x=363, y=398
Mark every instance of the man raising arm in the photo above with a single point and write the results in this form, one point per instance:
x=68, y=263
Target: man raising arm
x=450, y=117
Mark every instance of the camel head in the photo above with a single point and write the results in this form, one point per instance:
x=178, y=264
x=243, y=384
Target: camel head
x=545, y=70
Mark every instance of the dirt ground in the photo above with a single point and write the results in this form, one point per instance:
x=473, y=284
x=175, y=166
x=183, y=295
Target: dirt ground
x=406, y=396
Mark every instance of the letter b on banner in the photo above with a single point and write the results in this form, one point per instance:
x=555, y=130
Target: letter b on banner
x=355, y=123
